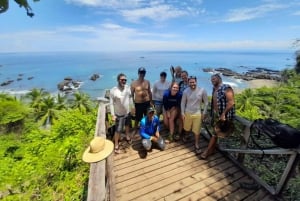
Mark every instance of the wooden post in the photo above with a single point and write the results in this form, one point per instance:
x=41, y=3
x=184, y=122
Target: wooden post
x=111, y=177
x=246, y=136
x=96, y=186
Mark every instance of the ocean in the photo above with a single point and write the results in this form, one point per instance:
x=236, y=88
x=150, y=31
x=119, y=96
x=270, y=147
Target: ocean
x=45, y=70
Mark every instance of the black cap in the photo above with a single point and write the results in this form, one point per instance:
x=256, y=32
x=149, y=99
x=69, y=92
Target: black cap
x=150, y=109
x=142, y=69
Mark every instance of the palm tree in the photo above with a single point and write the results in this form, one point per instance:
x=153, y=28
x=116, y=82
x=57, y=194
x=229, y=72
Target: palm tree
x=82, y=102
x=48, y=111
x=36, y=96
x=61, y=102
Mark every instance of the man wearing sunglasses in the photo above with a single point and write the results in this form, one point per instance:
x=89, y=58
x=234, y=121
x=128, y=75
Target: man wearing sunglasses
x=120, y=100
x=194, y=104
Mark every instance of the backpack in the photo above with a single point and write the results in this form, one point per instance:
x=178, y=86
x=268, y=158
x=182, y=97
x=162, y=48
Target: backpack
x=282, y=135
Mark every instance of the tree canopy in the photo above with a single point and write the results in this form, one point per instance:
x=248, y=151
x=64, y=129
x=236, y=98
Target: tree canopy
x=4, y=5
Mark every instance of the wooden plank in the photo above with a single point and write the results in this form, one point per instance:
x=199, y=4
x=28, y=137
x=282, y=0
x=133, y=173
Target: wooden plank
x=221, y=189
x=136, y=160
x=166, y=186
x=169, y=154
x=161, y=163
x=257, y=195
x=220, y=179
x=111, y=178
x=153, y=177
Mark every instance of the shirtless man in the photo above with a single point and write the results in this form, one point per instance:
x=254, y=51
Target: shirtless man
x=142, y=96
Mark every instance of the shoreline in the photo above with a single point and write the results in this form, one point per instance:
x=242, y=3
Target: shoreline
x=252, y=84
x=257, y=83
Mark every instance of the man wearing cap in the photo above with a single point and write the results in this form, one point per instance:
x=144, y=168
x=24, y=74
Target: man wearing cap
x=194, y=104
x=149, y=130
x=142, y=96
x=223, y=111
x=120, y=100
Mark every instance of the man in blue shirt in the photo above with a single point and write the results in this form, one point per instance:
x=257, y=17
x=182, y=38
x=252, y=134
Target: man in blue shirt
x=149, y=130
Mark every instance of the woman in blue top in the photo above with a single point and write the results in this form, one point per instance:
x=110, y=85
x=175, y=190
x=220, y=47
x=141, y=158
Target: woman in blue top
x=171, y=103
x=149, y=130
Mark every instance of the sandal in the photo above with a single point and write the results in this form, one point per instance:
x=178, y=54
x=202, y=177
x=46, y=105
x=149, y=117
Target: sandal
x=128, y=140
x=176, y=137
x=169, y=139
x=198, y=150
x=117, y=150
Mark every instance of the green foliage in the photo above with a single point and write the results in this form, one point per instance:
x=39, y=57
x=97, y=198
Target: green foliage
x=4, y=5
x=281, y=103
x=82, y=102
x=12, y=113
x=46, y=164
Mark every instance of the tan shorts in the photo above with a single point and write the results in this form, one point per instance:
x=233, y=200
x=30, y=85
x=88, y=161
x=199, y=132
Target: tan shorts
x=192, y=122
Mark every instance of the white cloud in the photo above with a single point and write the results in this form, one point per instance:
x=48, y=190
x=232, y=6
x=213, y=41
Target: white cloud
x=156, y=13
x=296, y=13
x=243, y=14
x=113, y=37
x=135, y=10
x=116, y=4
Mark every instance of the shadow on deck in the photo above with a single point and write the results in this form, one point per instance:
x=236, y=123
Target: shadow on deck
x=178, y=174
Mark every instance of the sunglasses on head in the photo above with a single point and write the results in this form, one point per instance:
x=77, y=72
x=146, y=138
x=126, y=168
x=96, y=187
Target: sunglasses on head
x=192, y=77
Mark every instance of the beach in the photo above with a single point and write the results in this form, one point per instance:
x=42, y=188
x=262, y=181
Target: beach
x=258, y=83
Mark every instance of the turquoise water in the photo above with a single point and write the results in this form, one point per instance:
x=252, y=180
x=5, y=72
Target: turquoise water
x=48, y=69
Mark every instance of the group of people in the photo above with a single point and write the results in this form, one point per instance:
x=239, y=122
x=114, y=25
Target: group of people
x=182, y=104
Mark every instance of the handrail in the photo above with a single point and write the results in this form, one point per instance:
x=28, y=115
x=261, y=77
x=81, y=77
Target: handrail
x=102, y=171
x=238, y=159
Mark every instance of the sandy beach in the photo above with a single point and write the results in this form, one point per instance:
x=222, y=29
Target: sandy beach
x=253, y=84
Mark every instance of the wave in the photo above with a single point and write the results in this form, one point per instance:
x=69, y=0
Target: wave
x=14, y=92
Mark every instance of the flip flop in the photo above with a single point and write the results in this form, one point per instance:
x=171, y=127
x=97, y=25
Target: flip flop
x=198, y=150
x=117, y=150
x=129, y=141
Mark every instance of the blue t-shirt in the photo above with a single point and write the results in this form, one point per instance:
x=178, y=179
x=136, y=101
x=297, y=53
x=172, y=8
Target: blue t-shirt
x=170, y=101
x=149, y=128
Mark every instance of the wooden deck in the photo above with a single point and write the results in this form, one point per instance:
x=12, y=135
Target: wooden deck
x=178, y=174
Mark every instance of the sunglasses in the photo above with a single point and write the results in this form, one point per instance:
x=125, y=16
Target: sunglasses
x=123, y=80
x=192, y=77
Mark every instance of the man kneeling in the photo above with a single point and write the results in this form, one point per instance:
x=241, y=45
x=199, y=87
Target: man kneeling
x=149, y=130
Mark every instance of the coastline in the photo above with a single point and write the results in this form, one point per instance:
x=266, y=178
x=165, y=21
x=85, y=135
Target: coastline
x=257, y=83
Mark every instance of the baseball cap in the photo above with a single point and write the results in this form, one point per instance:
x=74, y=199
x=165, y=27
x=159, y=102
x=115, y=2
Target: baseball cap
x=150, y=109
x=142, y=69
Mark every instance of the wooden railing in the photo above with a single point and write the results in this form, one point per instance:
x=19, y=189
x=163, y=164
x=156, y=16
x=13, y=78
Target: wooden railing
x=101, y=184
x=237, y=155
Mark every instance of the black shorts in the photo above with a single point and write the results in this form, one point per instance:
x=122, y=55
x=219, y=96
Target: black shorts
x=141, y=110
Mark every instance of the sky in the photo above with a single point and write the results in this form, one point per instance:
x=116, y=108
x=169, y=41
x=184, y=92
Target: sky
x=157, y=25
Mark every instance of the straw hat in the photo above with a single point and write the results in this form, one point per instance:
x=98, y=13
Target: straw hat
x=98, y=150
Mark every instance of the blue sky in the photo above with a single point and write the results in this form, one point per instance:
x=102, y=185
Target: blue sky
x=134, y=25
